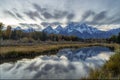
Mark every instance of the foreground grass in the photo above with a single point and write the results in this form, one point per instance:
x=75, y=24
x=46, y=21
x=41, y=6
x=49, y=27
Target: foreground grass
x=8, y=53
x=110, y=70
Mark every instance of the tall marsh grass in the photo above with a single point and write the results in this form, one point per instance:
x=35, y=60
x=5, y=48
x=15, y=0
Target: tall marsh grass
x=110, y=70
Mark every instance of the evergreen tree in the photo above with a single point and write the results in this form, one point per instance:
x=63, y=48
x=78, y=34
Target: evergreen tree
x=113, y=38
x=118, y=38
x=8, y=32
x=1, y=27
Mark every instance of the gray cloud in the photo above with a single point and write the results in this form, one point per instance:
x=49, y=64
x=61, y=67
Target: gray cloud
x=38, y=8
x=45, y=24
x=87, y=14
x=57, y=14
x=14, y=15
x=19, y=16
x=42, y=11
x=33, y=14
x=60, y=14
x=116, y=21
x=9, y=13
x=100, y=16
x=47, y=15
x=70, y=16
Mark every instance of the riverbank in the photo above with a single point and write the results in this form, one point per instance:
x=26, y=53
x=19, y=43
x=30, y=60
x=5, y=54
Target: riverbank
x=9, y=53
x=110, y=70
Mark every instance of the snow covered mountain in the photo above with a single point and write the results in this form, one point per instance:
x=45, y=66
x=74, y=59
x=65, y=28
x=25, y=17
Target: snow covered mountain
x=114, y=31
x=34, y=26
x=29, y=29
x=58, y=29
x=17, y=28
x=49, y=30
x=80, y=27
x=81, y=30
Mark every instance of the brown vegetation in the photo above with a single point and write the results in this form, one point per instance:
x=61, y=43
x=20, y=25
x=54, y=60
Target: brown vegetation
x=110, y=70
x=19, y=52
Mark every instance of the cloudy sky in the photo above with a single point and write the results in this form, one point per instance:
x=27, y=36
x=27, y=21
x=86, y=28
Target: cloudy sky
x=103, y=14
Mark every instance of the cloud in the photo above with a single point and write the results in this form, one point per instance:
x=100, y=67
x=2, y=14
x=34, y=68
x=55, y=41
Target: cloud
x=33, y=15
x=47, y=15
x=38, y=8
x=87, y=14
x=42, y=11
x=14, y=14
x=19, y=16
x=116, y=21
x=95, y=17
x=70, y=16
x=45, y=24
x=57, y=14
x=60, y=14
x=100, y=16
x=9, y=13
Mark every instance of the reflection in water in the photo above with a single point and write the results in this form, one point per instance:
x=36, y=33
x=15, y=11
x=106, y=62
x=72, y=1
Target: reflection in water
x=83, y=53
x=67, y=64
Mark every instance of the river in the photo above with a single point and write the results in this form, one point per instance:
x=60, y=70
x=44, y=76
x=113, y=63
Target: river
x=66, y=64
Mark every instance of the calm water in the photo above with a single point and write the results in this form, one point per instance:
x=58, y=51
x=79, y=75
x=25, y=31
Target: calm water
x=66, y=64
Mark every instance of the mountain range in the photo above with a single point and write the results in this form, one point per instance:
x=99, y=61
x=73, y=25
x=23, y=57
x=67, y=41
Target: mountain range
x=81, y=30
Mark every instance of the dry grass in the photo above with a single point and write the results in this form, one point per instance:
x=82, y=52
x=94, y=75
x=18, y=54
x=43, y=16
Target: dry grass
x=19, y=52
x=43, y=47
x=110, y=70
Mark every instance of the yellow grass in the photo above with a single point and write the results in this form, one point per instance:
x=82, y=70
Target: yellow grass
x=40, y=48
x=19, y=52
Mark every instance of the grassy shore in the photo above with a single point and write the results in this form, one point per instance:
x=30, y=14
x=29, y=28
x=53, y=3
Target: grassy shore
x=110, y=70
x=8, y=53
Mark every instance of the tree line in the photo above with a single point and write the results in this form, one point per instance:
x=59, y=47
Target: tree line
x=10, y=34
x=115, y=38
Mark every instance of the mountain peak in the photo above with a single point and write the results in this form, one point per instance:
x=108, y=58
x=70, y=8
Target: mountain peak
x=18, y=28
x=59, y=27
x=83, y=24
x=71, y=24
x=49, y=29
x=30, y=29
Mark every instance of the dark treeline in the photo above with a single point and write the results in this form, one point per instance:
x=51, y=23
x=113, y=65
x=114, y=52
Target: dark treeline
x=112, y=39
x=115, y=39
x=10, y=34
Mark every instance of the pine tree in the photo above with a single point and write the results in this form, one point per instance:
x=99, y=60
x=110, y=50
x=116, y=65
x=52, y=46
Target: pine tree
x=118, y=38
x=1, y=27
x=8, y=32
